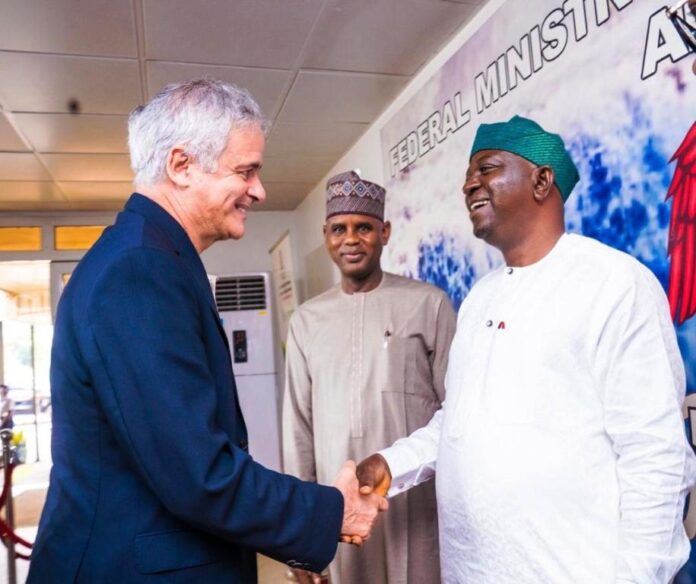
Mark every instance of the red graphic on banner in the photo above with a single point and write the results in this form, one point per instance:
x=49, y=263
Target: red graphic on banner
x=682, y=231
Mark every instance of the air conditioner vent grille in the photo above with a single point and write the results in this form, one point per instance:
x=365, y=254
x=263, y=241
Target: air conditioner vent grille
x=240, y=293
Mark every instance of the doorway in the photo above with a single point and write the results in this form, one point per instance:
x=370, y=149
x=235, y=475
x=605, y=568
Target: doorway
x=26, y=334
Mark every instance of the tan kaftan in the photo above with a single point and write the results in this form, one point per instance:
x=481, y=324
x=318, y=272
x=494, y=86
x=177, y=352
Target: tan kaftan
x=363, y=370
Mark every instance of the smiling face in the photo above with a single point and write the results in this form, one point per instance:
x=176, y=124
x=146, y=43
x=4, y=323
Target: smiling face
x=499, y=194
x=355, y=244
x=218, y=202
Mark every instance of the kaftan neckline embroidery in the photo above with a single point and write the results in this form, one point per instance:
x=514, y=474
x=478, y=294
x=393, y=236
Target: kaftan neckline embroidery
x=356, y=364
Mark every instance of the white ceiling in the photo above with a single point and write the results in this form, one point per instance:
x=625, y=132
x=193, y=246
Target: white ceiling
x=322, y=71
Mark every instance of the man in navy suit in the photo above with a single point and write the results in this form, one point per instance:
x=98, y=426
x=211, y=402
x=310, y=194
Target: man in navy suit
x=151, y=480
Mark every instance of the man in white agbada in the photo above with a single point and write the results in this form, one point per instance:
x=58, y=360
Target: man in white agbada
x=560, y=452
x=365, y=365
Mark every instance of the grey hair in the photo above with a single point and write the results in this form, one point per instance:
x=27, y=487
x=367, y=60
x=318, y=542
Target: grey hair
x=199, y=115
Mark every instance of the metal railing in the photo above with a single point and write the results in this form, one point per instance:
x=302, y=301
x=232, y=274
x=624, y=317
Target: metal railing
x=7, y=526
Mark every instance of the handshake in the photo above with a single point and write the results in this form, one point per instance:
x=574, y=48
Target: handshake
x=364, y=489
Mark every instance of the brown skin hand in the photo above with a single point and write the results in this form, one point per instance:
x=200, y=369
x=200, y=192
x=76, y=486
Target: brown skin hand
x=374, y=475
x=355, y=244
x=514, y=205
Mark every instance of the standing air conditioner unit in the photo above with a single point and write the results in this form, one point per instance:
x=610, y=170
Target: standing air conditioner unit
x=244, y=304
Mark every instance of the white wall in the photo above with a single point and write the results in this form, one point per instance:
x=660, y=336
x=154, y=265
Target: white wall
x=366, y=153
x=249, y=254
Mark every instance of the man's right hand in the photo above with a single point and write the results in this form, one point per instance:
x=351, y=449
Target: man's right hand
x=359, y=511
x=374, y=475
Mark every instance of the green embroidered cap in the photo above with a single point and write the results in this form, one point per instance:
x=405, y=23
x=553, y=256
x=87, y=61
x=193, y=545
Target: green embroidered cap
x=529, y=140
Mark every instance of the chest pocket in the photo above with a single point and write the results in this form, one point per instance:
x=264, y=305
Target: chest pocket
x=406, y=359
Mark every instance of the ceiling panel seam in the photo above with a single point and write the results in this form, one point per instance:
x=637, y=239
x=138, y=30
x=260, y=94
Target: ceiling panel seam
x=298, y=63
x=139, y=22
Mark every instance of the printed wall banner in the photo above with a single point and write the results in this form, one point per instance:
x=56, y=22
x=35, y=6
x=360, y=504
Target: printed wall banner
x=614, y=78
x=283, y=284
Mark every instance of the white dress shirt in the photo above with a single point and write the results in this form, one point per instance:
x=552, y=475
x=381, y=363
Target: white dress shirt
x=560, y=450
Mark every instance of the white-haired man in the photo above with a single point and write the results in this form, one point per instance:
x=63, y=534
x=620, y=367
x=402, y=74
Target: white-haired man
x=151, y=479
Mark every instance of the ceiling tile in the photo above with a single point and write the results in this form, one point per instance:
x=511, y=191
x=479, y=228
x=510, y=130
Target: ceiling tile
x=45, y=83
x=21, y=166
x=74, y=133
x=321, y=69
x=97, y=27
x=266, y=85
x=326, y=139
x=29, y=191
x=98, y=191
x=294, y=169
x=256, y=33
x=9, y=139
x=319, y=96
x=396, y=36
x=282, y=196
x=88, y=167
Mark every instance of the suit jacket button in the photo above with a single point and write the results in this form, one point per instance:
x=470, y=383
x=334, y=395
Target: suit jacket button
x=244, y=445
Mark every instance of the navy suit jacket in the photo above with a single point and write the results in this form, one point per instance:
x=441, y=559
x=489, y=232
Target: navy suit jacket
x=151, y=481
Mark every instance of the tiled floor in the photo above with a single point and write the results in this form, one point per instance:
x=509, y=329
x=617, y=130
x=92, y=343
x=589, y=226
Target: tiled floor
x=30, y=482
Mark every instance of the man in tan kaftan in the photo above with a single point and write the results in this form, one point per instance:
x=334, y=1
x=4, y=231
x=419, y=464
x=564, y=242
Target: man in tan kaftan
x=366, y=364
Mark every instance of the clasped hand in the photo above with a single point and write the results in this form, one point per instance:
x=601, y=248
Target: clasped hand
x=361, y=506
x=364, y=490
